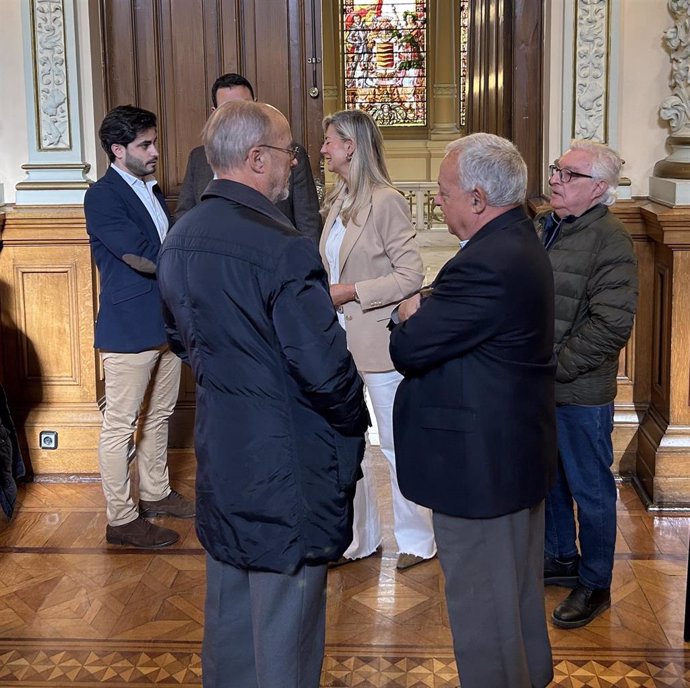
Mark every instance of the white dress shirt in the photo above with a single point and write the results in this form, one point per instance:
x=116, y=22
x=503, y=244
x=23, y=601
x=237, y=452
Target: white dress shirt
x=144, y=189
x=333, y=244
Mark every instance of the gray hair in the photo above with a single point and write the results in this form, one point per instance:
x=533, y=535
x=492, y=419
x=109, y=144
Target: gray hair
x=368, y=165
x=606, y=166
x=232, y=131
x=493, y=164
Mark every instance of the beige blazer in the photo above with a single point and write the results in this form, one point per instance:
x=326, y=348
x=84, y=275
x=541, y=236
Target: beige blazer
x=379, y=254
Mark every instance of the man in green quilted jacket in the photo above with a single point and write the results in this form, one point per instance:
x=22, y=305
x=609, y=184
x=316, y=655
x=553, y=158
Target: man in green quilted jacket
x=595, y=280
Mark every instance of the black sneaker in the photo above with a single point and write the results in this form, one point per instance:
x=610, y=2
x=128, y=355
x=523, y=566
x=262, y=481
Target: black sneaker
x=581, y=606
x=563, y=572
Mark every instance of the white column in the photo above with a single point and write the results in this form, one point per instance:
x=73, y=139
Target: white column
x=56, y=171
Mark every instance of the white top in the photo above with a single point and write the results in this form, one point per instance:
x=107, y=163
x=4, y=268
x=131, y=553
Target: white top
x=144, y=189
x=333, y=244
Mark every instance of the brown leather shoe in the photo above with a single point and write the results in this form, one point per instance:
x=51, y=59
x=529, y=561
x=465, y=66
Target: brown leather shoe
x=140, y=533
x=172, y=505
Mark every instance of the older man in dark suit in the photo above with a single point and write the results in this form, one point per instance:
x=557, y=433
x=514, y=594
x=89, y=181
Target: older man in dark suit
x=301, y=206
x=127, y=219
x=474, y=419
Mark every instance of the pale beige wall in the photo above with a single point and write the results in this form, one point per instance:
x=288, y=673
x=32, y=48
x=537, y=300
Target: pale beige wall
x=644, y=70
x=13, y=136
x=91, y=146
x=14, y=123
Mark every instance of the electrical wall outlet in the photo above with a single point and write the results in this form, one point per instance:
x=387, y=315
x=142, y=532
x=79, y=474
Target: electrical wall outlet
x=48, y=439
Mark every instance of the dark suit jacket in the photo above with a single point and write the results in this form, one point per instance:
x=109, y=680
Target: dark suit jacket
x=301, y=206
x=474, y=418
x=280, y=413
x=125, y=245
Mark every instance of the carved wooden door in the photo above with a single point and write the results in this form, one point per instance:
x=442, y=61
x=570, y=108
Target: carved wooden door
x=164, y=55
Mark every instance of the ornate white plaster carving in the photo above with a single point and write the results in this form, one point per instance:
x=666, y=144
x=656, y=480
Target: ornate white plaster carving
x=676, y=107
x=591, y=62
x=50, y=67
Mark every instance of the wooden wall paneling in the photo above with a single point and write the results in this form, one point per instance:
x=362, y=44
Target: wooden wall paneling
x=274, y=50
x=527, y=91
x=304, y=42
x=48, y=361
x=505, y=89
x=312, y=132
x=298, y=47
x=632, y=400
x=663, y=459
x=164, y=55
x=267, y=47
x=661, y=333
x=185, y=95
x=229, y=40
x=147, y=36
x=119, y=51
x=490, y=67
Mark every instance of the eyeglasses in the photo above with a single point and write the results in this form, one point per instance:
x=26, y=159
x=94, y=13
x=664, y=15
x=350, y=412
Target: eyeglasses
x=565, y=175
x=293, y=152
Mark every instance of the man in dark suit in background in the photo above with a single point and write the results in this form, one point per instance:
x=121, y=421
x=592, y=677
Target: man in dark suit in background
x=474, y=418
x=280, y=414
x=302, y=204
x=127, y=219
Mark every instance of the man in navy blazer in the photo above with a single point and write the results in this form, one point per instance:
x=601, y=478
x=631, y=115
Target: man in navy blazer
x=474, y=418
x=301, y=206
x=127, y=219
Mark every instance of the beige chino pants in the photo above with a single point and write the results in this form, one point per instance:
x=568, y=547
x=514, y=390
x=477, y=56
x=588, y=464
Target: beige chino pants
x=140, y=394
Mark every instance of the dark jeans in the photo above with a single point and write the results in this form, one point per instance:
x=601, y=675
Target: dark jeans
x=584, y=475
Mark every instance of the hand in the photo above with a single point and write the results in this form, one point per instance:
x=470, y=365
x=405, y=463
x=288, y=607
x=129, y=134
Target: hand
x=409, y=307
x=342, y=293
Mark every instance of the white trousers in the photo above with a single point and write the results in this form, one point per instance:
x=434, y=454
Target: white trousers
x=412, y=524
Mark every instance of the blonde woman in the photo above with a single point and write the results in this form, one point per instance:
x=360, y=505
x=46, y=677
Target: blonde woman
x=373, y=263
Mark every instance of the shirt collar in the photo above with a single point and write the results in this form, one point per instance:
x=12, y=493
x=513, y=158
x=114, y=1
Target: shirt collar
x=132, y=179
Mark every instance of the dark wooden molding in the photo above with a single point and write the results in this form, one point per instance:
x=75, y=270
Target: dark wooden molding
x=505, y=94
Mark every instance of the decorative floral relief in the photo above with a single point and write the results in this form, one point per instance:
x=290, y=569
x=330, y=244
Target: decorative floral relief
x=50, y=67
x=676, y=108
x=590, y=69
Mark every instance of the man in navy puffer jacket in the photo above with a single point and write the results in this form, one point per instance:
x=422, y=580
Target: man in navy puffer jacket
x=280, y=414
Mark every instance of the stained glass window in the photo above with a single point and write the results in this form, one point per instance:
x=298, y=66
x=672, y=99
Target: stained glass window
x=384, y=59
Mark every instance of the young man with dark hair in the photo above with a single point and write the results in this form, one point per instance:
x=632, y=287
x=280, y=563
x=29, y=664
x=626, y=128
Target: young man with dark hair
x=301, y=206
x=122, y=125
x=127, y=219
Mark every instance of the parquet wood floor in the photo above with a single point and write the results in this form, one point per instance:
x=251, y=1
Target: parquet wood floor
x=76, y=612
